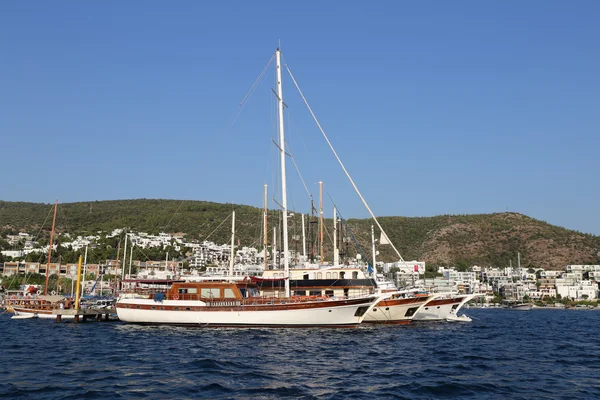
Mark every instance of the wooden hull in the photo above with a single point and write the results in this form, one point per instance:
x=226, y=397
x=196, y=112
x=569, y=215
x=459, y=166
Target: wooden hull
x=329, y=313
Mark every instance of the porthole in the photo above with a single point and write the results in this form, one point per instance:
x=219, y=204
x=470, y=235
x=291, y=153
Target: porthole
x=374, y=309
x=387, y=309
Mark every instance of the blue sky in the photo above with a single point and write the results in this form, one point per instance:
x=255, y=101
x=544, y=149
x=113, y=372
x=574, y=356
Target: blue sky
x=435, y=107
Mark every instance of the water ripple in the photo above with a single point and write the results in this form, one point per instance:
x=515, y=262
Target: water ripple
x=542, y=354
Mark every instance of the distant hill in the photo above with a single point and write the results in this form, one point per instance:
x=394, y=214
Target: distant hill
x=457, y=240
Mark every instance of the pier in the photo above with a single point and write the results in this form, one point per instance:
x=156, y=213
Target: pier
x=82, y=315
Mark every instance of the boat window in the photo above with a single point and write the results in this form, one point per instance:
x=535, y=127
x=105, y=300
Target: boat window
x=329, y=293
x=210, y=292
x=355, y=275
x=342, y=275
x=182, y=290
x=192, y=290
x=319, y=275
x=335, y=275
x=411, y=311
x=228, y=293
x=299, y=292
x=315, y=292
x=328, y=275
x=243, y=292
x=305, y=277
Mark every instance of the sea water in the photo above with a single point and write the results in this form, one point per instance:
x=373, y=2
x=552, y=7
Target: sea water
x=540, y=354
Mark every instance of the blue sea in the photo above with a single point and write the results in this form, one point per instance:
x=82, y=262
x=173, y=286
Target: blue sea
x=540, y=354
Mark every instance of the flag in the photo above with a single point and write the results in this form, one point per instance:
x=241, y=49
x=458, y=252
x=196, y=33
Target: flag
x=416, y=269
x=383, y=239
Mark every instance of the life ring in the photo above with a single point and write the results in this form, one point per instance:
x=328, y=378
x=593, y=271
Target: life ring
x=175, y=296
x=53, y=293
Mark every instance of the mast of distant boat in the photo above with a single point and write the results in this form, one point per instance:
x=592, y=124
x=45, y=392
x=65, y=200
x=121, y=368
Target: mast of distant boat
x=374, y=251
x=50, y=248
x=336, y=255
x=304, y=259
x=286, y=263
x=321, y=235
x=232, y=246
x=266, y=238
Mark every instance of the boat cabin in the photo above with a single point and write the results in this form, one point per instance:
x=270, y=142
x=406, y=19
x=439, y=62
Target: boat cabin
x=207, y=291
x=330, y=281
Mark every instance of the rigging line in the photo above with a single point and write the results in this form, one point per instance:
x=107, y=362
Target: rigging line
x=43, y=223
x=176, y=211
x=244, y=101
x=206, y=238
x=341, y=164
x=298, y=170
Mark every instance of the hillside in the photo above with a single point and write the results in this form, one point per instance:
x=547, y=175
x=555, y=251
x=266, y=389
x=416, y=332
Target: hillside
x=460, y=240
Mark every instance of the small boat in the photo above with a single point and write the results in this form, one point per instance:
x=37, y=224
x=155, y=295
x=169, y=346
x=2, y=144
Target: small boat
x=453, y=317
x=39, y=306
x=520, y=306
x=24, y=316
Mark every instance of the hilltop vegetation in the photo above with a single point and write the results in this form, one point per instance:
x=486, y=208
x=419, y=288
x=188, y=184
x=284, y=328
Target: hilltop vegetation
x=458, y=240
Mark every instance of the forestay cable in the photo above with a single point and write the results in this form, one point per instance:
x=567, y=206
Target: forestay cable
x=341, y=164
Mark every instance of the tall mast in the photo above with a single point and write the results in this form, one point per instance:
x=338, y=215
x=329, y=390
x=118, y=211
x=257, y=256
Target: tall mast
x=336, y=257
x=232, y=246
x=130, y=259
x=373, y=240
x=84, y=270
x=266, y=220
x=117, y=267
x=286, y=262
x=322, y=249
x=124, y=259
x=50, y=248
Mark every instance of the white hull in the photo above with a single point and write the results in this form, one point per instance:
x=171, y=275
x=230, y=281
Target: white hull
x=242, y=316
x=395, y=311
x=29, y=313
x=521, y=307
x=442, y=309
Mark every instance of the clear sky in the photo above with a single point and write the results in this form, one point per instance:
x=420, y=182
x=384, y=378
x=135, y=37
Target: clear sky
x=435, y=107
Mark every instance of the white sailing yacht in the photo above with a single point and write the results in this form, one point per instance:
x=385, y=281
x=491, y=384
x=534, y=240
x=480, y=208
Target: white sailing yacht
x=239, y=304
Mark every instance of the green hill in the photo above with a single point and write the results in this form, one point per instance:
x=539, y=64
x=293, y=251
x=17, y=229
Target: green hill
x=458, y=240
